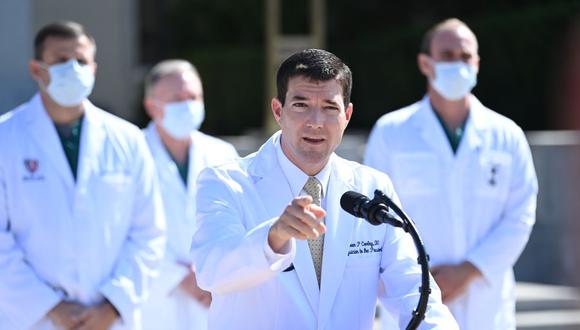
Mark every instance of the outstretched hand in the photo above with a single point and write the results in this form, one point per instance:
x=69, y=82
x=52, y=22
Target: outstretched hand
x=301, y=220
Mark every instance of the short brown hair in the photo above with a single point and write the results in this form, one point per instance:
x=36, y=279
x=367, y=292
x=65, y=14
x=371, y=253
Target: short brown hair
x=60, y=29
x=315, y=64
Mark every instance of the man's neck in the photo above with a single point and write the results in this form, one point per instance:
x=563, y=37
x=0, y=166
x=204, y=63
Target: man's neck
x=178, y=148
x=453, y=113
x=61, y=115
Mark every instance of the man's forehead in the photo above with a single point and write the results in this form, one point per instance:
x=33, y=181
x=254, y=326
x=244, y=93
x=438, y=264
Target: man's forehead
x=175, y=82
x=179, y=78
x=81, y=44
x=64, y=42
x=454, y=36
x=314, y=84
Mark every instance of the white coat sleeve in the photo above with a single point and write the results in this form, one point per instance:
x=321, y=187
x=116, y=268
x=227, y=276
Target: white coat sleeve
x=377, y=152
x=401, y=279
x=24, y=298
x=502, y=246
x=142, y=252
x=228, y=256
x=171, y=273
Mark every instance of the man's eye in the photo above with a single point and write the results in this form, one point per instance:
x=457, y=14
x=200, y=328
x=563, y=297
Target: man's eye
x=82, y=61
x=332, y=108
x=299, y=105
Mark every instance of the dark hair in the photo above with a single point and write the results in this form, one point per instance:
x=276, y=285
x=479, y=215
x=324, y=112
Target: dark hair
x=428, y=37
x=60, y=29
x=315, y=64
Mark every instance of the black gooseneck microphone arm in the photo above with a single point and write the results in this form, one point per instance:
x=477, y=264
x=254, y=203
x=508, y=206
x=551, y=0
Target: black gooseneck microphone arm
x=409, y=226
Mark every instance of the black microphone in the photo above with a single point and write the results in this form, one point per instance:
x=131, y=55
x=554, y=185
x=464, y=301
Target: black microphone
x=376, y=213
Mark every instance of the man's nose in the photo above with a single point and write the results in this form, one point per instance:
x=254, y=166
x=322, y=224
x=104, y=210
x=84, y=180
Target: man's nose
x=316, y=118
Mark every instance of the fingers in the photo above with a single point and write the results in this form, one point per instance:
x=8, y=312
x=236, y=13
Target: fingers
x=435, y=270
x=301, y=220
x=302, y=201
x=82, y=319
x=317, y=211
x=310, y=214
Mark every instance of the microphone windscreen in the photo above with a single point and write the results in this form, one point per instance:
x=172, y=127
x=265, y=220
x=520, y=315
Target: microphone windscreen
x=351, y=202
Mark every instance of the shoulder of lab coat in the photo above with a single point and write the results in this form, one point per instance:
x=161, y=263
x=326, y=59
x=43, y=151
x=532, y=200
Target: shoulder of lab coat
x=216, y=149
x=378, y=144
x=18, y=281
x=502, y=246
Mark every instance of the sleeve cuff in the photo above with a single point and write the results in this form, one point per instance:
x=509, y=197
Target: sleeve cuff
x=122, y=303
x=280, y=261
x=487, y=277
x=40, y=309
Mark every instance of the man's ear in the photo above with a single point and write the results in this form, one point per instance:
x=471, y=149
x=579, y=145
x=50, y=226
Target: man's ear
x=151, y=108
x=276, y=106
x=425, y=65
x=348, y=112
x=35, y=70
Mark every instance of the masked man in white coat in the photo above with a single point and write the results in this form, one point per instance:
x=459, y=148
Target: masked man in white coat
x=465, y=175
x=81, y=219
x=174, y=101
x=273, y=245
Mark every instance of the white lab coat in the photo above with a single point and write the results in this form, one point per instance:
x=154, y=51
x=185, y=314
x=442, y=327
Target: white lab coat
x=170, y=307
x=476, y=205
x=99, y=237
x=236, y=205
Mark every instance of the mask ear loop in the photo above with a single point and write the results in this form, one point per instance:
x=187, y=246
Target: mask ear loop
x=41, y=85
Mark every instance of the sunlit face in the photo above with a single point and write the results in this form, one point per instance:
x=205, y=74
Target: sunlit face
x=313, y=120
x=172, y=88
x=60, y=50
x=453, y=44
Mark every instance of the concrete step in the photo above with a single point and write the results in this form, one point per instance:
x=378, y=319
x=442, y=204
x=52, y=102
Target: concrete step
x=547, y=307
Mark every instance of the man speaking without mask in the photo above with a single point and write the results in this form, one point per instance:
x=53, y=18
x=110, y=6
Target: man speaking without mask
x=273, y=245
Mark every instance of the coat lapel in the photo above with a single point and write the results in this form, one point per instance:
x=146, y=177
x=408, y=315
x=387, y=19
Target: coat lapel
x=275, y=192
x=197, y=159
x=166, y=168
x=91, y=144
x=431, y=130
x=43, y=132
x=339, y=229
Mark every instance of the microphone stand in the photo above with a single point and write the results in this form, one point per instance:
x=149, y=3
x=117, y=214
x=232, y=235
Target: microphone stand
x=409, y=226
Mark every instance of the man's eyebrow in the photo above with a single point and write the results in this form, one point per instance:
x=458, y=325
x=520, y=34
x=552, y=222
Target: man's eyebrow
x=299, y=98
x=333, y=102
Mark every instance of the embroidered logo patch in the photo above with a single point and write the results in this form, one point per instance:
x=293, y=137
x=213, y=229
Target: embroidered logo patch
x=32, y=166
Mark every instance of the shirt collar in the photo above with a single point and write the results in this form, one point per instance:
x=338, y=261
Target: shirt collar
x=296, y=178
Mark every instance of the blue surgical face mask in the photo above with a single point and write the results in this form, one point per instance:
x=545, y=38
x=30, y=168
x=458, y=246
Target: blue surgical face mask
x=180, y=119
x=454, y=80
x=70, y=83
